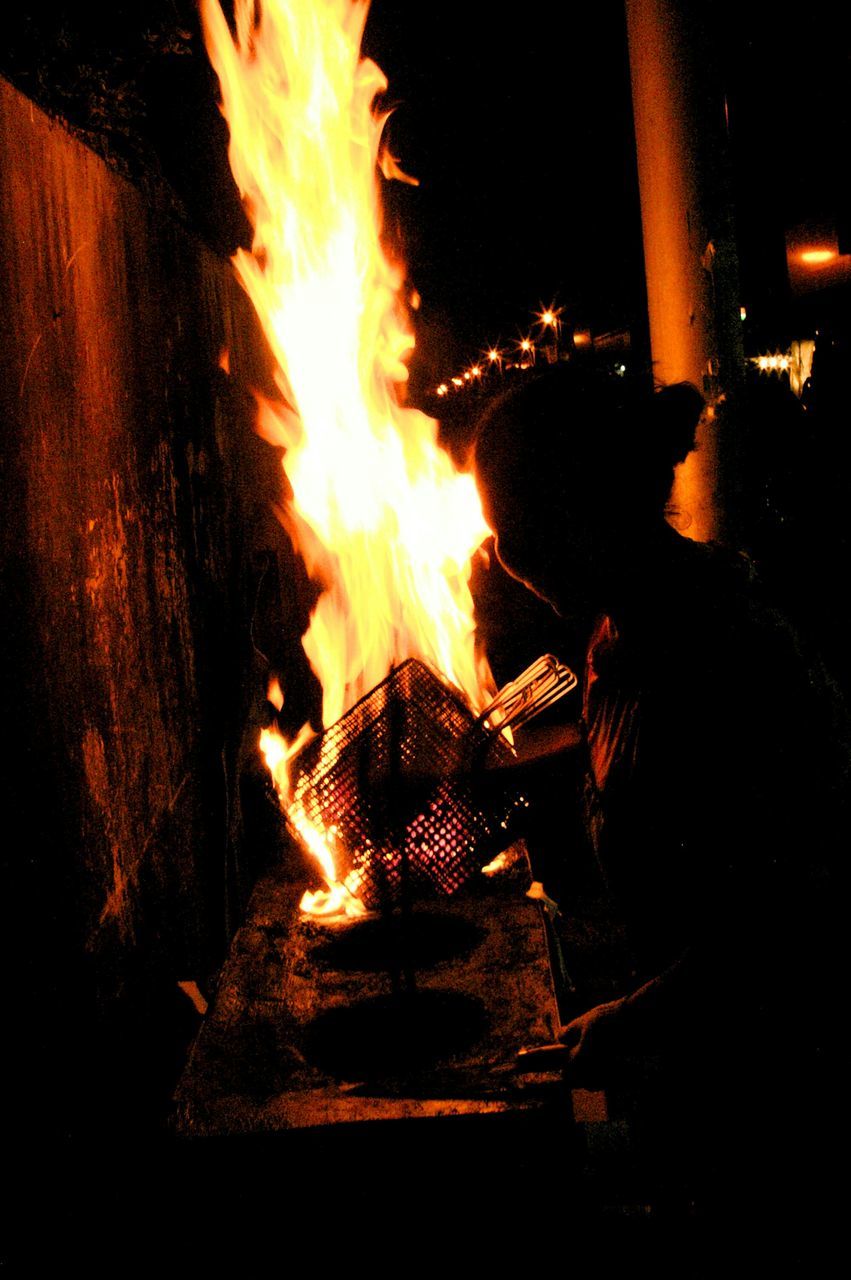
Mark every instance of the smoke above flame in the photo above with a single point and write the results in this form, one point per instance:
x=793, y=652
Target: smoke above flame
x=381, y=517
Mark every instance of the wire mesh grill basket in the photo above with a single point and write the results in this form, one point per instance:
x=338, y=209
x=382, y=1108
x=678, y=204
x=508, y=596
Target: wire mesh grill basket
x=397, y=786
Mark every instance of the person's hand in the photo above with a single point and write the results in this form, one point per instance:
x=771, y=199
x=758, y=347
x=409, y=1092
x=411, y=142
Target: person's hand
x=597, y=1041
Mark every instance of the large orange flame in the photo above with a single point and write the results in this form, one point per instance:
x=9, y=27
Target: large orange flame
x=379, y=513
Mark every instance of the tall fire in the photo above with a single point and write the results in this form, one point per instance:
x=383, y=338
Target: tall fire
x=385, y=523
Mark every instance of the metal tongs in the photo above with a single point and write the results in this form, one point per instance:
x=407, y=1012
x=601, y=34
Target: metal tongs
x=535, y=689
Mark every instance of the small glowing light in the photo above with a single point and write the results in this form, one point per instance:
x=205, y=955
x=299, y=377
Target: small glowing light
x=743, y=313
x=582, y=338
x=476, y=371
x=776, y=362
x=493, y=355
x=548, y=317
x=415, y=300
x=442, y=389
x=466, y=375
x=818, y=257
x=458, y=382
x=525, y=345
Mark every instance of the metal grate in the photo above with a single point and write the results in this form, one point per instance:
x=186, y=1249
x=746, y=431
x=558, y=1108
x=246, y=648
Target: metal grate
x=393, y=788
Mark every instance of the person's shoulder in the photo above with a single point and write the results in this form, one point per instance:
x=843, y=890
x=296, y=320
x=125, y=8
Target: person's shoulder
x=723, y=572
x=739, y=639
x=768, y=661
x=719, y=599
x=729, y=595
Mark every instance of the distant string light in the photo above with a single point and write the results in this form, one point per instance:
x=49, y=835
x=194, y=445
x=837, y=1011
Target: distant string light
x=549, y=321
x=774, y=363
x=549, y=318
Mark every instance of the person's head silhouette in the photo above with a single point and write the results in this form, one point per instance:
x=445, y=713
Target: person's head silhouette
x=574, y=469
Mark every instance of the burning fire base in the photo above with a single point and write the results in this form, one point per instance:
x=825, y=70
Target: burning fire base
x=397, y=789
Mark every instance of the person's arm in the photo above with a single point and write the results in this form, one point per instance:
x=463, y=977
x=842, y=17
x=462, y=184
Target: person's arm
x=666, y=1012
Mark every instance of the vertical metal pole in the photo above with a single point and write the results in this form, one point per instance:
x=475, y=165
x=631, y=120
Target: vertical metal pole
x=689, y=246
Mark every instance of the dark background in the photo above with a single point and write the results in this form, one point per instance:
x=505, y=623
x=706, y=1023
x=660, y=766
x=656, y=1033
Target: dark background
x=519, y=128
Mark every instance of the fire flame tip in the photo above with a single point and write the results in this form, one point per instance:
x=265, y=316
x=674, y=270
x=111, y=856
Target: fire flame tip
x=392, y=170
x=275, y=694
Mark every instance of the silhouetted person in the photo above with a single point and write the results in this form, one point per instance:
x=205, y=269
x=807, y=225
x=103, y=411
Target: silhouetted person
x=714, y=771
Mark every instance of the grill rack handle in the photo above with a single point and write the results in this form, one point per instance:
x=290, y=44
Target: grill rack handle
x=535, y=689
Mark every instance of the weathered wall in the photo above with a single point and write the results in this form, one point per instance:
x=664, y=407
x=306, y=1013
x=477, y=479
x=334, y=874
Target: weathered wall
x=136, y=534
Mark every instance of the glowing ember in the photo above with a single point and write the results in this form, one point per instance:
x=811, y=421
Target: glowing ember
x=384, y=522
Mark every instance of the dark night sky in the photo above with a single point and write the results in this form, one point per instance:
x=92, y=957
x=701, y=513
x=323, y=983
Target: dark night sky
x=519, y=128
x=517, y=123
